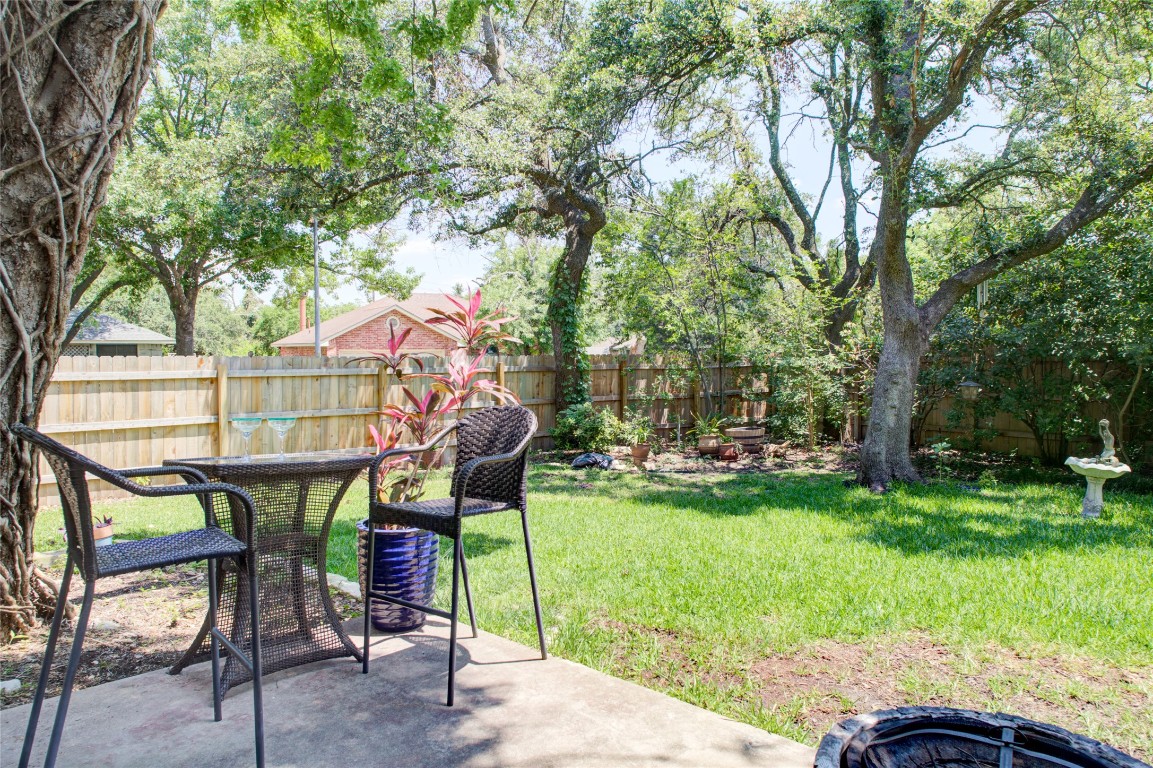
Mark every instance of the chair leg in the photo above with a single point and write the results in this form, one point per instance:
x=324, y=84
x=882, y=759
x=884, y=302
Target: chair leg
x=532, y=580
x=213, y=642
x=467, y=591
x=368, y=573
x=255, y=658
x=70, y=675
x=46, y=667
x=458, y=552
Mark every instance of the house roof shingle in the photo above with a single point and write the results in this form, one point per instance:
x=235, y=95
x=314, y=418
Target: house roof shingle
x=105, y=329
x=416, y=305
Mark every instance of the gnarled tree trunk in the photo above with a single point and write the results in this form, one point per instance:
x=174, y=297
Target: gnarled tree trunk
x=885, y=452
x=563, y=315
x=70, y=80
x=583, y=215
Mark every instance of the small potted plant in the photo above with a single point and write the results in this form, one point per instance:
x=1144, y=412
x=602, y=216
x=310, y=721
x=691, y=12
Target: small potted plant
x=102, y=530
x=708, y=433
x=640, y=432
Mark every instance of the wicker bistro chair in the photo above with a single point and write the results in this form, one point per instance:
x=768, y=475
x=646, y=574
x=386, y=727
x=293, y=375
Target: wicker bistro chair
x=207, y=543
x=489, y=476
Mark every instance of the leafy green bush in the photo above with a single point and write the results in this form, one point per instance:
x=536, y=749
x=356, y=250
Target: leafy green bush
x=637, y=428
x=585, y=428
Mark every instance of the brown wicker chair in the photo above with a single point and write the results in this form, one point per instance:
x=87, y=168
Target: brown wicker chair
x=208, y=543
x=489, y=476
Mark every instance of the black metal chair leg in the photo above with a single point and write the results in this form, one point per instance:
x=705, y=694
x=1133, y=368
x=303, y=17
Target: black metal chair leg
x=458, y=550
x=532, y=581
x=70, y=675
x=467, y=590
x=46, y=667
x=368, y=588
x=255, y=658
x=213, y=643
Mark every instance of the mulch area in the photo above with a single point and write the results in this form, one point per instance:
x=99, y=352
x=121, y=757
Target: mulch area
x=140, y=622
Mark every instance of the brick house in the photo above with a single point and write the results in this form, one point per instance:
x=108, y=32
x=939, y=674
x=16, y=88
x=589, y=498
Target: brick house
x=366, y=329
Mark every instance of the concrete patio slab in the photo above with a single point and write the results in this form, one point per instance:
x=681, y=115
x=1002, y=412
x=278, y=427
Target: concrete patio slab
x=511, y=710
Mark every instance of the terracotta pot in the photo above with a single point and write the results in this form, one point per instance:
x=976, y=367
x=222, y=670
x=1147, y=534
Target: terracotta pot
x=431, y=459
x=641, y=452
x=751, y=439
x=709, y=445
x=102, y=534
x=728, y=452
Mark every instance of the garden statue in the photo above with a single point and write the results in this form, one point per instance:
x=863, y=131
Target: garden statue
x=1108, y=456
x=1096, y=471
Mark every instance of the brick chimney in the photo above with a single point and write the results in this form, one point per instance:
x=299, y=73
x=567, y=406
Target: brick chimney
x=303, y=313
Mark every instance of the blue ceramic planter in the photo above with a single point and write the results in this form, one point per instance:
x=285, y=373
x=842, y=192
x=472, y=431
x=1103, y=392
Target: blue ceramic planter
x=405, y=566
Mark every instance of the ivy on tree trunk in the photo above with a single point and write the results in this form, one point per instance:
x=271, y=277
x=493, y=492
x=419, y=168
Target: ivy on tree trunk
x=70, y=81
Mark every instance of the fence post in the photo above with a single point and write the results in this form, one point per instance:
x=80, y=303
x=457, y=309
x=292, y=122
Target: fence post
x=623, y=386
x=500, y=372
x=381, y=389
x=222, y=409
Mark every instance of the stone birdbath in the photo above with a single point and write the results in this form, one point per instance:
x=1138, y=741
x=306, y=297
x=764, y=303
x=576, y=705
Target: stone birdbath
x=1096, y=471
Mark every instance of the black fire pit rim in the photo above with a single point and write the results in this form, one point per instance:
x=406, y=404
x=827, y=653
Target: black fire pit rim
x=833, y=745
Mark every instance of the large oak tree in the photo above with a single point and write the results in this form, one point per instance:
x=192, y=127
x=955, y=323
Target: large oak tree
x=70, y=79
x=1060, y=89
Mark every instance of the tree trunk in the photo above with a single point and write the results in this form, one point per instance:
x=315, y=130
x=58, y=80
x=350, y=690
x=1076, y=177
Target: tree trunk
x=69, y=87
x=885, y=452
x=184, y=313
x=570, y=385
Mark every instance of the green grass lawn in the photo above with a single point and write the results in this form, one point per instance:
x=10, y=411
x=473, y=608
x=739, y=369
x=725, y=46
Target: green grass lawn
x=788, y=601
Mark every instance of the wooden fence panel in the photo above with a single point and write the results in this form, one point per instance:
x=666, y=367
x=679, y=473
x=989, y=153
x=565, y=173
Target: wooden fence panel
x=140, y=411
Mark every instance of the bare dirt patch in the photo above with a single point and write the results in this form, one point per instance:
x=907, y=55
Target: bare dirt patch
x=671, y=662
x=828, y=681
x=140, y=622
x=777, y=457
x=805, y=692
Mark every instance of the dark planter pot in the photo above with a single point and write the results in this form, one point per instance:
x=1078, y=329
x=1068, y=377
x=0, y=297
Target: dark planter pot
x=751, y=439
x=930, y=737
x=728, y=452
x=405, y=567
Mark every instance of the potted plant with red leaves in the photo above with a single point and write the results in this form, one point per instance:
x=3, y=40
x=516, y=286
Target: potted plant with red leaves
x=406, y=558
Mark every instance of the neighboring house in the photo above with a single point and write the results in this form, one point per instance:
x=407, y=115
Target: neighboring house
x=633, y=345
x=107, y=336
x=366, y=329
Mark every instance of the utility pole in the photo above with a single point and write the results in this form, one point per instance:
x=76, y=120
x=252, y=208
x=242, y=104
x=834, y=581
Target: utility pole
x=316, y=285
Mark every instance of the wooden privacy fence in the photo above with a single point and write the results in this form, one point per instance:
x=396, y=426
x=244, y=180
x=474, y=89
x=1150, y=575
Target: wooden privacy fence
x=140, y=411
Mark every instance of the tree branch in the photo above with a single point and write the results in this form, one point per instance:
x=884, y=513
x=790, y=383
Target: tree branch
x=1094, y=202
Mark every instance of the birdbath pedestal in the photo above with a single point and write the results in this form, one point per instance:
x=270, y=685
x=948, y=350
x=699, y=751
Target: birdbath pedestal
x=1095, y=472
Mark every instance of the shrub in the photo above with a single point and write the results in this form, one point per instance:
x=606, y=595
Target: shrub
x=585, y=428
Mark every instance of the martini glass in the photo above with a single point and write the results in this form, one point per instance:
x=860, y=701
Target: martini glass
x=281, y=426
x=246, y=426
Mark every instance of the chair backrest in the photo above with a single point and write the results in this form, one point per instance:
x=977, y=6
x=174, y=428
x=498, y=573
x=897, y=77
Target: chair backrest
x=493, y=432
x=71, y=470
